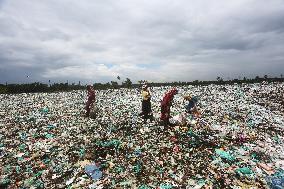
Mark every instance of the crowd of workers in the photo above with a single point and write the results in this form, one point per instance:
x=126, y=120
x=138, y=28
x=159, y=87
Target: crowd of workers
x=146, y=113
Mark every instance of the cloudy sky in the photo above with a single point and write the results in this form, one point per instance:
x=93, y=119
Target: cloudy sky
x=158, y=40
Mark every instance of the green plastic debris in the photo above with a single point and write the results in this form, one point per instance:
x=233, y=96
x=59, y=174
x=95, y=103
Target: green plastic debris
x=119, y=169
x=23, y=136
x=18, y=169
x=254, y=157
x=29, y=169
x=279, y=173
x=49, y=136
x=113, y=182
x=39, y=184
x=5, y=181
x=137, y=152
x=38, y=174
x=104, y=165
x=7, y=169
x=201, y=181
x=50, y=126
x=82, y=152
x=161, y=170
x=29, y=182
x=22, y=147
x=32, y=119
x=44, y=110
x=225, y=155
x=113, y=143
x=36, y=135
x=137, y=168
x=46, y=161
x=191, y=133
x=172, y=175
x=277, y=139
x=144, y=187
x=125, y=183
x=58, y=168
x=166, y=186
x=244, y=170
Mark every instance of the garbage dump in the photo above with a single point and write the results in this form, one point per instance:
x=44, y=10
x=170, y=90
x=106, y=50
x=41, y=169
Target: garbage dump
x=236, y=141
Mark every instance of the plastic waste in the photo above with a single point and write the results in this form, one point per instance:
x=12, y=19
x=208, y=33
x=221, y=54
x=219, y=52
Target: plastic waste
x=236, y=140
x=225, y=155
x=244, y=170
x=93, y=171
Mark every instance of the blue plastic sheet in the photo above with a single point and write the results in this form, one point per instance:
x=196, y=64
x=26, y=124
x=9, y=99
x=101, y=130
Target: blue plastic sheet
x=93, y=171
x=277, y=180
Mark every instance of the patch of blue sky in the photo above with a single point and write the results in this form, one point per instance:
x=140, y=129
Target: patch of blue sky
x=149, y=66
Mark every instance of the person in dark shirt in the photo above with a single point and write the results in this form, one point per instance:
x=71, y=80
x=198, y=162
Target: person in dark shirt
x=146, y=104
x=191, y=106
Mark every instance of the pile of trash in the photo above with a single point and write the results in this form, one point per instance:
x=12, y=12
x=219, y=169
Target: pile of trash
x=270, y=96
x=237, y=140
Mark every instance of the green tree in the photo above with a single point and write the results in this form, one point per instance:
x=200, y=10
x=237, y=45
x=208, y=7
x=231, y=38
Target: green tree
x=265, y=77
x=114, y=84
x=127, y=83
x=219, y=79
x=257, y=78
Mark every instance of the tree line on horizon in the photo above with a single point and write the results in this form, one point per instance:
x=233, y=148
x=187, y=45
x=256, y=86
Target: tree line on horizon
x=60, y=87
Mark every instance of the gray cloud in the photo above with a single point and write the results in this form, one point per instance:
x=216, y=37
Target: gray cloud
x=94, y=41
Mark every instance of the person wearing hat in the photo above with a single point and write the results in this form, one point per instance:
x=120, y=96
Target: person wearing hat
x=91, y=99
x=166, y=104
x=146, y=103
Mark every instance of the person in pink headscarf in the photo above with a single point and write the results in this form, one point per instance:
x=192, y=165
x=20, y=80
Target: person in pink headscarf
x=166, y=104
x=91, y=99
